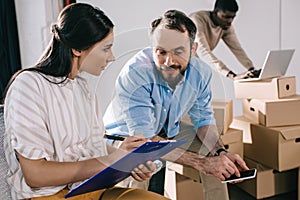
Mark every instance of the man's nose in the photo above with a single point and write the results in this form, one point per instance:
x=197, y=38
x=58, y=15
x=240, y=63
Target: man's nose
x=169, y=59
x=229, y=21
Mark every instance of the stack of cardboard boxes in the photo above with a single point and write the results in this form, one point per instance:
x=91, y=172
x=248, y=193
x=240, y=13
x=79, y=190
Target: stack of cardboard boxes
x=271, y=125
x=183, y=182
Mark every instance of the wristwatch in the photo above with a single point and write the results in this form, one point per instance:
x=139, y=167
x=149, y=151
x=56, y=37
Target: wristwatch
x=231, y=74
x=218, y=152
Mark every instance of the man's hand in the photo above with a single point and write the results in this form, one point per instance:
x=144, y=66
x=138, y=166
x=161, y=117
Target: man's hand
x=226, y=165
x=219, y=166
x=235, y=158
x=222, y=166
x=231, y=75
x=239, y=162
x=251, y=73
x=243, y=75
x=254, y=73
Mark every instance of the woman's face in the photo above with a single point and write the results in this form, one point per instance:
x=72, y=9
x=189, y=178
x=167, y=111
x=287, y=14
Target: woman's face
x=95, y=59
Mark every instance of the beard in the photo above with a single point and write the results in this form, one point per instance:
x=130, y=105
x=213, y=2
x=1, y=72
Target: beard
x=171, y=78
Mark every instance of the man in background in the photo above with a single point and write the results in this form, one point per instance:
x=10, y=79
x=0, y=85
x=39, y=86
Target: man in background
x=212, y=26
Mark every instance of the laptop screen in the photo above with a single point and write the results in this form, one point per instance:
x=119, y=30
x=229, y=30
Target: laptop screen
x=276, y=63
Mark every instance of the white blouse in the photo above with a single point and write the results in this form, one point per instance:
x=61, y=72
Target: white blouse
x=57, y=122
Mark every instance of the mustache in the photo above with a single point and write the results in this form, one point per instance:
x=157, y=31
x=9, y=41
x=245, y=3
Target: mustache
x=164, y=67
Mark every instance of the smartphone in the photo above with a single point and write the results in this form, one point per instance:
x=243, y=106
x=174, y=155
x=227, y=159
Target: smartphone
x=251, y=173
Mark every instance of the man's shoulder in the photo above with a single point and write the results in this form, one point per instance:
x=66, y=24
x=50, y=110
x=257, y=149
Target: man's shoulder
x=141, y=59
x=200, y=68
x=140, y=65
x=199, y=14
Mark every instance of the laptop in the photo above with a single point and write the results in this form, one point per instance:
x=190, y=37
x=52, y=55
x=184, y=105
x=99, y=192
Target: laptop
x=275, y=64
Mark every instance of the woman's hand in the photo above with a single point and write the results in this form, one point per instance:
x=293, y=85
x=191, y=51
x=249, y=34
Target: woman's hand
x=143, y=172
x=132, y=142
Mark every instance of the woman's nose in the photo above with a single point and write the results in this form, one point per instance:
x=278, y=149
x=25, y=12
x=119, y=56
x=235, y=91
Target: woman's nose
x=111, y=58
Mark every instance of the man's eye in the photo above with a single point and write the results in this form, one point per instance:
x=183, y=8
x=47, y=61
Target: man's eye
x=178, y=52
x=229, y=17
x=161, y=52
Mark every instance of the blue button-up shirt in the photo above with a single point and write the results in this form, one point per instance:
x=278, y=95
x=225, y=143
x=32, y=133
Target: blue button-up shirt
x=144, y=103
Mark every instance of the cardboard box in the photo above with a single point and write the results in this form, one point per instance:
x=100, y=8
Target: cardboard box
x=242, y=123
x=277, y=148
x=182, y=182
x=271, y=113
x=233, y=141
x=268, y=182
x=299, y=183
x=186, y=171
x=275, y=88
x=223, y=113
x=249, y=112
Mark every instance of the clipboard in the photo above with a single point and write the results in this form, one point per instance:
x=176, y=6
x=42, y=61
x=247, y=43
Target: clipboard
x=122, y=168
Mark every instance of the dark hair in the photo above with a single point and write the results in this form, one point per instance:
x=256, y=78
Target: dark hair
x=79, y=27
x=174, y=19
x=227, y=5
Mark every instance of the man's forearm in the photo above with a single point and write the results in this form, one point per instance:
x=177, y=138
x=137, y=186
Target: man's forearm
x=210, y=138
x=184, y=157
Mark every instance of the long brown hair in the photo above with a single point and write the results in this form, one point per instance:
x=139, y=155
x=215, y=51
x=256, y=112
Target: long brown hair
x=79, y=27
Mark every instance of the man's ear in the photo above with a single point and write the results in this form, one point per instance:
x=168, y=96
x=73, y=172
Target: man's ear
x=194, y=48
x=76, y=53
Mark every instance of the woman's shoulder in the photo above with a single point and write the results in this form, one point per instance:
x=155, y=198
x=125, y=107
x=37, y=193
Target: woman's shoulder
x=27, y=75
x=31, y=81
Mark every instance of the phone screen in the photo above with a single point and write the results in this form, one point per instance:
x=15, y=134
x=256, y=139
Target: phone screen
x=251, y=173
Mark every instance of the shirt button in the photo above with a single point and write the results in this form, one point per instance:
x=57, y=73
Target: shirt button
x=165, y=110
x=168, y=91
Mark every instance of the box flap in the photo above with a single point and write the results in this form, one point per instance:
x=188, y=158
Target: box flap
x=186, y=171
x=232, y=136
x=253, y=164
x=290, y=98
x=220, y=102
x=289, y=132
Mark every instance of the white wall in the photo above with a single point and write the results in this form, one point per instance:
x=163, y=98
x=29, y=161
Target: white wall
x=34, y=18
x=260, y=25
x=290, y=32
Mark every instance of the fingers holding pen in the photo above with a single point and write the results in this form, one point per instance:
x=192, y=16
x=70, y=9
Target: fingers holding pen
x=133, y=142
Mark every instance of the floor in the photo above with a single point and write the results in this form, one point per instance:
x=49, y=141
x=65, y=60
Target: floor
x=236, y=193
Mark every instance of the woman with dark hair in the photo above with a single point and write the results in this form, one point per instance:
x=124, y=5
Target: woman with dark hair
x=54, y=129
